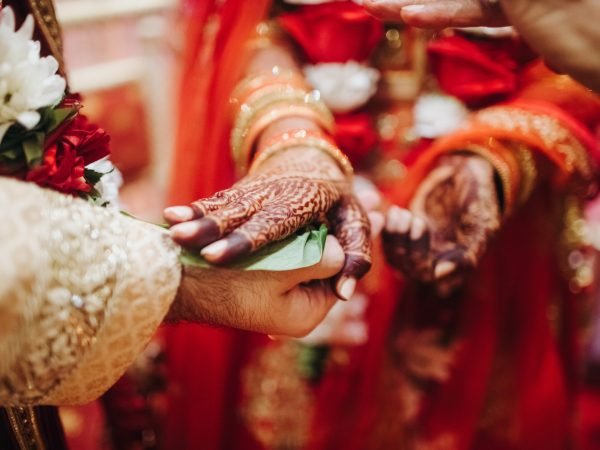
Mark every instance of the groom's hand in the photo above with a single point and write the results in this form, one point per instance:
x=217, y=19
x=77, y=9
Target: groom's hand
x=288, y=303
x=291, y=189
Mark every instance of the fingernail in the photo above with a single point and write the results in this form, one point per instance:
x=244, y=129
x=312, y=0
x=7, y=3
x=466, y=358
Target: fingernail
x=179, y=212
x=346, y=287
x=414, y=9
x=417, y=229
x=185, y=230
x=404, y=221
x=398, y=220
x=215, y=250
x=443, y=268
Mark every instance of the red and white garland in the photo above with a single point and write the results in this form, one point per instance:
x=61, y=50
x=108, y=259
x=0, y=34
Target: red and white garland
x=43, y=136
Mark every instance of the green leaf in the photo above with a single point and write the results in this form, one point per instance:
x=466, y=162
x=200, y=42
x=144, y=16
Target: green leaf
x=58, y=116
x=32, y=147
x=12, y=154
x=300, y=250
x=92, y=176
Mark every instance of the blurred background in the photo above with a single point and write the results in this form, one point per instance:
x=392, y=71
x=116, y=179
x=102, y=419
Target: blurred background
x=122, y=57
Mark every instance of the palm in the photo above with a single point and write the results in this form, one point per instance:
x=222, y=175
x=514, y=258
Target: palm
x=459, y=207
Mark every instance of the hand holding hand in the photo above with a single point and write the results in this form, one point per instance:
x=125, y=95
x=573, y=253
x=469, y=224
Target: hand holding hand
x=288, y=303
x=292, y=189
x=453, y=215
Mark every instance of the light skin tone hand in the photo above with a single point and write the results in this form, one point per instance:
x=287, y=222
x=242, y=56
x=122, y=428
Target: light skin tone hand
x=290, y=303
x=444, y=234
x=564, y=33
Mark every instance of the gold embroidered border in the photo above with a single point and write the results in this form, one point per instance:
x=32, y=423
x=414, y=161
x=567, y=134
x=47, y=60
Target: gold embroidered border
x=547, y=128
x=503, y=171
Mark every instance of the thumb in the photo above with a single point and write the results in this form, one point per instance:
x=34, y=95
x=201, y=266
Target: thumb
x=331, y=263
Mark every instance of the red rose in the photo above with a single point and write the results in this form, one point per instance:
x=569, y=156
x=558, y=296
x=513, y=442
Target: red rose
x=65, y=157
x=356, y=136
x=478, y=71
x=333, y=32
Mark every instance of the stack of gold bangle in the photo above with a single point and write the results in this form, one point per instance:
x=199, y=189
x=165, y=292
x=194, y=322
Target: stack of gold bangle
x=303, y=138
x=262, y=99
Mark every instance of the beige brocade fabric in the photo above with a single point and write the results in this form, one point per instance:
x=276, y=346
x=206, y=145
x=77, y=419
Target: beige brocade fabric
x=82, y=290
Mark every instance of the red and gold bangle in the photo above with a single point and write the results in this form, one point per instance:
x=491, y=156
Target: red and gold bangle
x=253, y=118
x=256, y=82
x=505, y=170
x=303, y=138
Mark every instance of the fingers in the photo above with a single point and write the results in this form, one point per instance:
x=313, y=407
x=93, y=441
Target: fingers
x=330, y=265
x=407, y=243
x=307, y=296
x=366, y=193
x=387, y=9
x=377, y=221
x=273, y=223
x=439, y=13
x=302, y=309
x=178, y=214
x=215, y=225
x=352, y=228
x=199, y=208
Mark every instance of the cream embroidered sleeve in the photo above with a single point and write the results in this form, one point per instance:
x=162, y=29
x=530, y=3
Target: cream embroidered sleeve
x=82, y=290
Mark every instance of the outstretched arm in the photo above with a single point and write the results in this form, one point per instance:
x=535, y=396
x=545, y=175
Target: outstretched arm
x=82, y=290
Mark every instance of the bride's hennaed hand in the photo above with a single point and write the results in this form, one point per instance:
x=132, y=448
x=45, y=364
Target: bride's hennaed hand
x=289, y=190
x=453, y=215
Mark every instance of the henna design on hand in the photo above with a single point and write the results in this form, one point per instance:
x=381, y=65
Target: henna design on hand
x=290, y=190
x=353, y=230
x=453, y=215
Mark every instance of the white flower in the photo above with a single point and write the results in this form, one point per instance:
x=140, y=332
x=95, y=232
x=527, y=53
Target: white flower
x=110, y=183
x=27, y=81
x=343, y=86
x=436, y=115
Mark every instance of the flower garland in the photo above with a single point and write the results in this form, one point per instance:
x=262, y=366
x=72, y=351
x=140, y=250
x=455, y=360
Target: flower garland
x=43, y=136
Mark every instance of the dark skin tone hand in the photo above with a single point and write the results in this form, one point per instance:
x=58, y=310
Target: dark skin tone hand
x=451, y=219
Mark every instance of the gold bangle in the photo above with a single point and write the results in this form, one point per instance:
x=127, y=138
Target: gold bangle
x=259, y=80
x=503, y=171
x=245, y=153
x=303, y=138
x=271, y=107
x=529, y=172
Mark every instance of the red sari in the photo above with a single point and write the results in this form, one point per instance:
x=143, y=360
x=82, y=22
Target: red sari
x=496, y=366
